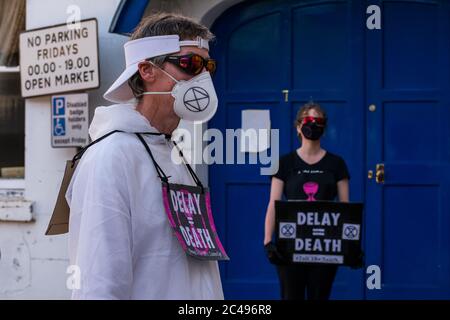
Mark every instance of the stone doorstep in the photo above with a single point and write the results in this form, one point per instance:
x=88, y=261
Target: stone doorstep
x=16, y=210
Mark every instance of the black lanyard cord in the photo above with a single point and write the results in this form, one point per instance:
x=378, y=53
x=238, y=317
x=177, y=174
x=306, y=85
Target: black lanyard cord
x=83, y=150
x=191, y=171
x=167, y=136
x=80, y=153
x=159, y=171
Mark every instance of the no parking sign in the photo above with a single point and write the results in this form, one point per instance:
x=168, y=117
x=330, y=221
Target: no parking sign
x=69, y=124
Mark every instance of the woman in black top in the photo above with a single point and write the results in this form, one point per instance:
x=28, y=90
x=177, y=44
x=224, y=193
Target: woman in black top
x=308, y=173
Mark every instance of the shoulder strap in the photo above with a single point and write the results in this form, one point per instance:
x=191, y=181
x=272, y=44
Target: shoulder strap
x=191, y=171
x=83, y=150
x=160, y=172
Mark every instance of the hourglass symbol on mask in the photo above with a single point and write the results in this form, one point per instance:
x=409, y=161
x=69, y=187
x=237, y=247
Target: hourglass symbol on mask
x=311, y=188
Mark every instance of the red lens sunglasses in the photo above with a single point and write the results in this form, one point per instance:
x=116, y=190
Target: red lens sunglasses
x=319, y=120
x=192, y=63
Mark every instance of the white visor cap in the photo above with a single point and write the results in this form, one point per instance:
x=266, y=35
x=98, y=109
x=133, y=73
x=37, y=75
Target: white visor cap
x=139, y=50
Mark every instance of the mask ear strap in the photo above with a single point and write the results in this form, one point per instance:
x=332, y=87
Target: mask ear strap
x=154, y=92
x=170, y=76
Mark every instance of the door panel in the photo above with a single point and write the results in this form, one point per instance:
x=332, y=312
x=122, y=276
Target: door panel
x=407, y=215
x=321, y=50
x=404, y=137
x=248, y=49
x=409, y=32
x=256, y=61
x=327, y=68
x=320, y=46
x=406, y=257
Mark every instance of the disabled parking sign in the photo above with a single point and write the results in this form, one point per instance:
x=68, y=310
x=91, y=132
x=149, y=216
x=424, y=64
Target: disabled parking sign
x=70, y=120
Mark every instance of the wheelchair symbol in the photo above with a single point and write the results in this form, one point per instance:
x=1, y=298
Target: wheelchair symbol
x=59, y=127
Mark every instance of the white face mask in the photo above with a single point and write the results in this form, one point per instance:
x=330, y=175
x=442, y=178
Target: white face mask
x=195, y=99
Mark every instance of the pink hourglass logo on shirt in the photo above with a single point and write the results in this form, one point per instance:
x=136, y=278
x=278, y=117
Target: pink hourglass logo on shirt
x=311, y=189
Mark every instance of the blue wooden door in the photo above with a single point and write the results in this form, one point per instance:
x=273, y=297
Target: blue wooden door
x=322, y=50
x=251, y=55
x=408, y=85
x=263, y=48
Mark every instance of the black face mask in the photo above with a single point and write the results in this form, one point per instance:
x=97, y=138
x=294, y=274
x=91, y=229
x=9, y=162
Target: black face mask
x=312, y=131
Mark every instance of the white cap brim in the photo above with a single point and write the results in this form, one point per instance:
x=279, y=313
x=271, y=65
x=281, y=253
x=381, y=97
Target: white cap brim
x=120, y=91
x=139, y=50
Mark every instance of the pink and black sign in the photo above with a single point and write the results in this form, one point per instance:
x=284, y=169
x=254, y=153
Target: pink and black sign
x=319, y=232
x=190, y=215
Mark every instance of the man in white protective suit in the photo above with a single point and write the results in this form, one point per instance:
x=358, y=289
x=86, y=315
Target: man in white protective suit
x=119, y=234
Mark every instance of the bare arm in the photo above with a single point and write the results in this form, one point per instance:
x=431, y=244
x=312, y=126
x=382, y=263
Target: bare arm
x=276, y=191
x=343, y=190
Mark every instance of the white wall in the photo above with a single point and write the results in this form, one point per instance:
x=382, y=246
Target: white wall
x=32, y=265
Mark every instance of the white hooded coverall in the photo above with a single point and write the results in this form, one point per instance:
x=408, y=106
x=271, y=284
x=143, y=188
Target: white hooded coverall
x=119, y=234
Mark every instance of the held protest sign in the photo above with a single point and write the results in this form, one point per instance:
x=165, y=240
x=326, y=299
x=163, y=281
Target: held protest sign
x=319, y=231
x=190, y=215
x=60, y=58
